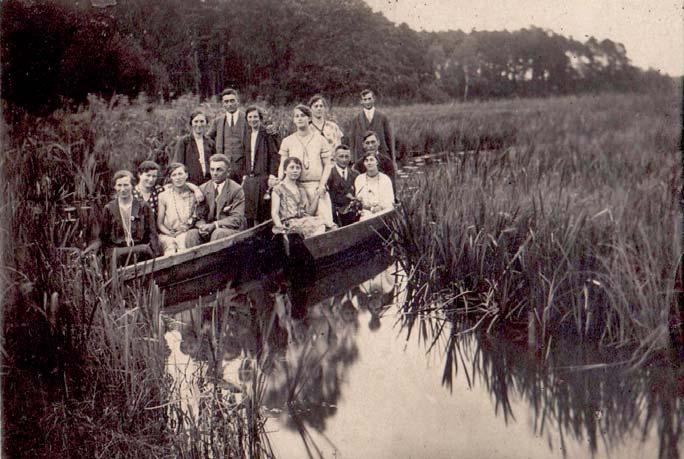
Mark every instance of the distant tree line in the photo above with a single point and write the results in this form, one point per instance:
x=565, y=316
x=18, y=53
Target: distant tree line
x=284, y=50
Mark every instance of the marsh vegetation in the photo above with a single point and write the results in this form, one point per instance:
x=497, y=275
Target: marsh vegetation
x=552, y=218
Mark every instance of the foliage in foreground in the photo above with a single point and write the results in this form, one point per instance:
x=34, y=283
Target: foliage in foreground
x=569, y=231
x=83, y=363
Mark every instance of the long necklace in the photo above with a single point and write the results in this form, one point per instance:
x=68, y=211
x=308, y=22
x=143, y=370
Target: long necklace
x=305, y=157
x=175, y=206
x=295, y=196
x=321, y=129
x=127, y=223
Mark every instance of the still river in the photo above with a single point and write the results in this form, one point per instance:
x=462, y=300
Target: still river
x=344, y=376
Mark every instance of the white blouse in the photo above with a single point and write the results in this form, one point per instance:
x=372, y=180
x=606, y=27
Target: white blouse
x=374, y=192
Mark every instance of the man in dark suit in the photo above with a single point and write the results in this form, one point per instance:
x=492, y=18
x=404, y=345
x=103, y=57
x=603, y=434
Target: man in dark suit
x=385, y=163
x=259, y=167
x=341, y=187
x=222, y=213
x=371, y=120
x=229, y=130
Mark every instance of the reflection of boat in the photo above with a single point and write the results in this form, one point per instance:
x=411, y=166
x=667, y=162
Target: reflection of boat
x=205, y=269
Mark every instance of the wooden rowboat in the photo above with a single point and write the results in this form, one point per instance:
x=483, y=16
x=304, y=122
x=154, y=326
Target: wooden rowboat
x=248, y=255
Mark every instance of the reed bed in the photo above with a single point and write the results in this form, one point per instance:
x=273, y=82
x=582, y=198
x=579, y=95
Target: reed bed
x=568, y=222
x=567, y=231
x=84, y=362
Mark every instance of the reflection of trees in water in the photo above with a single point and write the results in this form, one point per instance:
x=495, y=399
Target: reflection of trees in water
x=303, y=350
x=571, y=395
x=310, y=369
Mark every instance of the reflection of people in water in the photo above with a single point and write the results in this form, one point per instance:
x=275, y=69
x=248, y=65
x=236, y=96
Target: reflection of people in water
x=376, y=295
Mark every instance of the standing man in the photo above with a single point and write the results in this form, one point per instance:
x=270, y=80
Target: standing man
x=371, y=120
x=229, y=131
x=222, y=213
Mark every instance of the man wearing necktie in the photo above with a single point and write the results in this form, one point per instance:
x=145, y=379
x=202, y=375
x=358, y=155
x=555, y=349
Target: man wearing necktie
x=222, y=213
x=228, y=131
x=341, y=187
x=370, y=119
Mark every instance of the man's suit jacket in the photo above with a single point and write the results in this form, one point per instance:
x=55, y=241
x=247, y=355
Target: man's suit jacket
x=230, y=140
x=380, y=125
x=338, y=187
x=187, y=153
x=228, y=210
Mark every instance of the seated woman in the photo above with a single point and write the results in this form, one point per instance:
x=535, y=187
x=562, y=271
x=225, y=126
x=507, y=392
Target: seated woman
x=128, y=232
x=148, y=189
x=176, y=213
x=373, y=188
x=291, y=209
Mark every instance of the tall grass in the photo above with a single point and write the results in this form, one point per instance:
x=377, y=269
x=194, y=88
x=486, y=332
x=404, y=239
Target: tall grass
x=568, y=231
x=83, y=361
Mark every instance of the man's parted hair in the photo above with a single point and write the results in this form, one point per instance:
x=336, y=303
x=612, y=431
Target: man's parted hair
x=229, y=92
x=367, y=91
x=370, y=133
x=219, y=158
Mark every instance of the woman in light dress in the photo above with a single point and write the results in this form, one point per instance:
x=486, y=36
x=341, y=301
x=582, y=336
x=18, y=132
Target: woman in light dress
x=177, y=213
x=314, y=153
x=291, y=209
x=328, y=129
x=373, y=188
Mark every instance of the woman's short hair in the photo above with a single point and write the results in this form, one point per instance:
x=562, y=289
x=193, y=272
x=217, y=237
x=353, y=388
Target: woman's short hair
x=316, y=98
x=146, y=166
x=174, y=166
x=254, y=108
x=121, y=174
x=304, y=109
x=196, y=112
x=291, y=159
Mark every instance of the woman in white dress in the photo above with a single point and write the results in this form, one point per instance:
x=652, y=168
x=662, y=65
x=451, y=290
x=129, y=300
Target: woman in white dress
x=314, y=152
x=373, y=188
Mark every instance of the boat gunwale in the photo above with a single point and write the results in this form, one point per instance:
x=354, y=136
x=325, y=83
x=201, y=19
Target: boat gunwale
x=154, y=265
x=169, y=261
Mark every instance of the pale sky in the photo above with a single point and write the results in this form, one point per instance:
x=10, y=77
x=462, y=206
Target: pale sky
x=651, y=30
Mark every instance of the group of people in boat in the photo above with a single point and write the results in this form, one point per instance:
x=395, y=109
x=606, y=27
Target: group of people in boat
x=236, y=172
